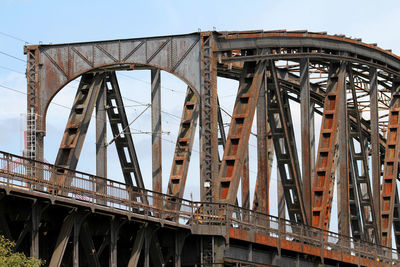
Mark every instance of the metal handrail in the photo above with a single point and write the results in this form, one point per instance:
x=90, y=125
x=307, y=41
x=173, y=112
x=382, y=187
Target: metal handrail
x=16, y=174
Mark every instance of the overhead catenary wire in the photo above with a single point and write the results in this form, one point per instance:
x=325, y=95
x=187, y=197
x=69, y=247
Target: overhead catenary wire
x=11, y=56
x=14, y=37
x=123, y=130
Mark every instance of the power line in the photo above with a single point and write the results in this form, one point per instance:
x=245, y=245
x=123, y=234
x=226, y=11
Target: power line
x=12, y=70
x=146, y=82
x=14, y=37
x=11, y=56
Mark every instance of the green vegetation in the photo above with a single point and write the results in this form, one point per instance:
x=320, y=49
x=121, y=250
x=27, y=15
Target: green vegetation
x=15, y=259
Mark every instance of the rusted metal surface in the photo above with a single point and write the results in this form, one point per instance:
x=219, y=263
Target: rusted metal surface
x=285, y=146
x=306, y=171
x=361, y=175
x=265, y=230
x=121, y=133
x=324, y=177
x=343, y=161
x=352, y=85
x=156, y=128
x=264, y=153
x=184, y=145
x=77, y=125
x=208, y=120
x=390, y=173
x=239, y=132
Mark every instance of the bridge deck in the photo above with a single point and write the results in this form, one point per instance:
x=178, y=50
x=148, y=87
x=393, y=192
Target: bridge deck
x=22, y=176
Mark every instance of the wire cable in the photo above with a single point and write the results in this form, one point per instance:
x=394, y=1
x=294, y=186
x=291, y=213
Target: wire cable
x=11, y=56
x=14, y=37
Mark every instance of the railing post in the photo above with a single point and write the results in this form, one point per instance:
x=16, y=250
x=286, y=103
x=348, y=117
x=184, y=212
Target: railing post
x=322, y=246
x=8, y=172
x=93, y=189
x=192, y=216
x=279, y=236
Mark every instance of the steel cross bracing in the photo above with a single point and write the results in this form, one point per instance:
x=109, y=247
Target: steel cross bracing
x=359, y=161
x=285, y=146
x=324, y=177
x=184, y=144
x=239, y=132
x=77, y=125
x=352, y=85
x=121, y=132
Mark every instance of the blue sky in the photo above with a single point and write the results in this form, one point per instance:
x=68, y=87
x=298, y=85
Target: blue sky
x=73, y=21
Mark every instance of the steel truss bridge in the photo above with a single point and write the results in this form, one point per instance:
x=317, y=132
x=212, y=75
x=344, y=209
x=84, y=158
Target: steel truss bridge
x=70, y=218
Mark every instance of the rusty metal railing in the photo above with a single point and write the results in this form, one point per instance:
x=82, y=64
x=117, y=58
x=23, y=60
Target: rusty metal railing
x=33, y=177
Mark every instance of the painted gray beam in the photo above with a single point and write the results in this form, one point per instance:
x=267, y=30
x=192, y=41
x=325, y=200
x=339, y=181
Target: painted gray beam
x=305, y=135
x=137, y=247
x=156, y=133
x=35, y=218
x=343, y=164
x=62, y=240
x=375, y=149
x=155, y=250
x=114, y=229
x=88, y=246
x=208, y=119
x=101, y=135
x=75, y=253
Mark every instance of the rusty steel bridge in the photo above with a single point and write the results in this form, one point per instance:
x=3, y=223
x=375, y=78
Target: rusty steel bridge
x=71, y=218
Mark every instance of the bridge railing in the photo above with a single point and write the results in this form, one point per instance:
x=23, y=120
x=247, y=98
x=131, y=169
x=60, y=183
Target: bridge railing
x=19, y=173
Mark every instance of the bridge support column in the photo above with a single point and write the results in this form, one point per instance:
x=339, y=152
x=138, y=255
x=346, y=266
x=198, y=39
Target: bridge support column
x=77, y=228
x=219, y=248
x=36, y=214
x=101, y=148
x=156, y=133
x=114, y=229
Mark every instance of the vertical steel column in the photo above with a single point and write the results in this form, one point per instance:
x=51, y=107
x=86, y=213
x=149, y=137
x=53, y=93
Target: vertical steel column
x=75, y=241
x=101, y=149
x=36, y=215
x=208, y=121
x=391, y=170
x=147, y=241
x=375, y=138
x=261, y=194
x=305, y=135
x=34, y=143
x=114, y=229
x=343, y=164
x=156, y=133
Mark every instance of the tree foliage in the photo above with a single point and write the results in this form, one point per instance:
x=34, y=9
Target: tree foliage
x=15, y=259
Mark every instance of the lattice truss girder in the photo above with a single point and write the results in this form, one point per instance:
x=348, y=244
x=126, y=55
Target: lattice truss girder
x=279, y=83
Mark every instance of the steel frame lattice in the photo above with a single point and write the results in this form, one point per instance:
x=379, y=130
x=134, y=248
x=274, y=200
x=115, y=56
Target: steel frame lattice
x=352, y=86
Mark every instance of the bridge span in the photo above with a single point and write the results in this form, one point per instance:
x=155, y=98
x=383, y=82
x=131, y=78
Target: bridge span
x=318, y=113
